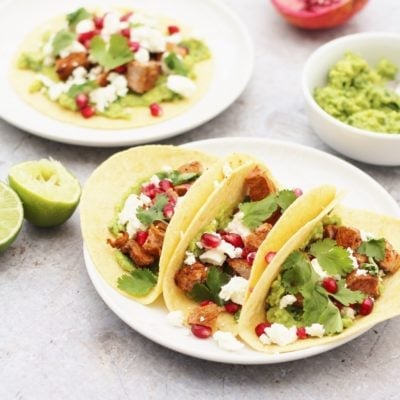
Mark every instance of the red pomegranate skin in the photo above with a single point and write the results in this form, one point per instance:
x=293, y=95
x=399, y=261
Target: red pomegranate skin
x=320, y=17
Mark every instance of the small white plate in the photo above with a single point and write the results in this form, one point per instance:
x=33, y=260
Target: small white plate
x=294, y=166
x=215, y=22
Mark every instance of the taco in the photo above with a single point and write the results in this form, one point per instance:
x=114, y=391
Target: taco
x=333, y=280
x=206, y=282
x=136, y=207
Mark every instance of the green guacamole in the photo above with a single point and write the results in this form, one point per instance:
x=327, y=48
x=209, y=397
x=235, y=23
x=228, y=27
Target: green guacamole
x=360, y=95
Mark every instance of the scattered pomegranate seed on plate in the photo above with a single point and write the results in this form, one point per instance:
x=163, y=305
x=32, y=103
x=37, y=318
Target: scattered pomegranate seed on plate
x=88, y=111
x=201, y=331
x=173, y=29
x=155, y=110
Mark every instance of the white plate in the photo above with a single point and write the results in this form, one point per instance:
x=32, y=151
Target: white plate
x=221, y=28
x=294, y=166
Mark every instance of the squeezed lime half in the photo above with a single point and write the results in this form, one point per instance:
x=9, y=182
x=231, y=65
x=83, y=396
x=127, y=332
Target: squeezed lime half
x=49, y=192
x=11, y=216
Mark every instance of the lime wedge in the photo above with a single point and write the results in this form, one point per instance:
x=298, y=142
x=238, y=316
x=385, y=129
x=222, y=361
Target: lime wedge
x=49, y=192
x=11, y=216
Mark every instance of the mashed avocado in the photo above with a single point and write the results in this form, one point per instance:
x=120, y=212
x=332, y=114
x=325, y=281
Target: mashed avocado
x=359, y=95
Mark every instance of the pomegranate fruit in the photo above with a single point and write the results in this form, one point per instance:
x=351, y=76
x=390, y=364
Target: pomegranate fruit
x=318, y=14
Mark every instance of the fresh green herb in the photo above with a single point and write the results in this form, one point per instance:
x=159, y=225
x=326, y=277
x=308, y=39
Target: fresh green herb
x=124, y=261
x=111, y=55
x=62, y=40
x=285, y=198
x=176, y=64
x=82, y=88
x=155, y=212
x=198, y=50
x=333, y=259
x=137, y=283
x=256, y=212
x=79, y=15
x=31, y=60
x=236, y=316
x=374, y=248
x=371, y=266
x=177, y=178
x=346, y=296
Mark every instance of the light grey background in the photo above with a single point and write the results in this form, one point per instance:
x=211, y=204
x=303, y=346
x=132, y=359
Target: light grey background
x=58, y=340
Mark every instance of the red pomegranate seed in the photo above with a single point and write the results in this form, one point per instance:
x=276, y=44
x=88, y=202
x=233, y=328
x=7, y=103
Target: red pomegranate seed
x=98, y=22
x=301, y=332
x=298, y=192
x=86, y=36
x=250, y=257
x=168, y=211
x=126, y=32
x=201, y=331
x=165, y=185
x=81, y=100
x=126, y=16
x=270, y=256
x=330, y=285
x=232, y=308
x=151, y=190
x=210, y=240
x=206, y=303
x=88, y=111
x=155, y=110
x=246, y=252
x=234, y=239
x=366, y=306
x=141, y=237
x=134, y=46
x=173, y=29
x=121, y=69
x=260, y=328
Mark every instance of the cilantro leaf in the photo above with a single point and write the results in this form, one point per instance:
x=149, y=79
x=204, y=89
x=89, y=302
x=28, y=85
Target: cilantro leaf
x=74, y=17
x=62, y=40
x=256, y=212
x=374, y=248
x=371, y=266
x=285, y=198
x=138, y=283
x=178, y=178
x=176, y=64
x=86, y=87
x=346, y=296
x=155, y=212
x=111, y=55
x=200, y=292
x=333, y=259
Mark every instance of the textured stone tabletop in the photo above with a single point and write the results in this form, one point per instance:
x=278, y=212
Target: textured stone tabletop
x=58, y=340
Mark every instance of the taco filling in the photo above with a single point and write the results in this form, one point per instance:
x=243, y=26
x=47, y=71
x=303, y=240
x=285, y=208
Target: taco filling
x=326, y=285
x=218, y=261
x=140, y=225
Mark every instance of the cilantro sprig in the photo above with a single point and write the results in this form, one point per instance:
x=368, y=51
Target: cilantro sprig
x=76, y=16
x=346, y=296
x=138, y=283
x=176, y=64
x=374, y=248
x=153, y=213
x=178, y=178
x=62, y=40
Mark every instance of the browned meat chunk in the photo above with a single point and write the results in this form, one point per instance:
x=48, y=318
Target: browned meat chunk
x=102, y=79
x=274, y=217
x=391, y=262
x=154, y=242
x=330, y=231
x=193, y=167
x=65, y=66
x=348, y=237
x=179, y=50
x=240, y=266
x=143, y=77
x=367, y=284
x=181, y=190
x=138, y=255
x=258, y=185
x=204, y=315
x=189, y=275
x=120, y=241
x=254, y=240
x=361, y=258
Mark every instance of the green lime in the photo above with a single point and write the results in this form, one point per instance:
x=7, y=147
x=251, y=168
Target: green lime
x=11, y=216
x=49, y=192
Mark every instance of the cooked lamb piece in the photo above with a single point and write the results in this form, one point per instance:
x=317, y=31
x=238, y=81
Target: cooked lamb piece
x=181, y=190
x=254, y=240
x=348, y=237
x=65, y=66
x=367, y=284
x=258, y=185
x=204, y=315
x=154, y=242
x=330, y=231
x=143, y=77
x=391, y=262
x=120, y=241
x=192, y=167
x=189, y=275
x=240, y=266
x=137, y=253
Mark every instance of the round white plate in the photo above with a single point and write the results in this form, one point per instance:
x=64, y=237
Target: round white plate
x=294, y=166
x=215, y=22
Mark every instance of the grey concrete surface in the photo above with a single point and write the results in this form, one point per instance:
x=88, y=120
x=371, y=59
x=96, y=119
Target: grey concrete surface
x=58, y=340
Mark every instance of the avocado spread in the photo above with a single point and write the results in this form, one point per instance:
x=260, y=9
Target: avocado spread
x=362, y=96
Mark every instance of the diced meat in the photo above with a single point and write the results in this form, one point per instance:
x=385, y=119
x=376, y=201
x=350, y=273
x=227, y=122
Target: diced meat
x=258, y=185
x=274, y=217
x=138, y=255
x=367, y=284
x=65, y=66
x=154, y=242
x=143, y=77
x=254, y=240
x=120, y=241
x=102, y=79
x=204, y=315
x=348, y=237
x=391, y=262
x=172, y=195
x=240, y=266
x=179, y=50
x=193, y=167
x=330, y=231
x=181, y=190
x=361, y=258
x=189, y=275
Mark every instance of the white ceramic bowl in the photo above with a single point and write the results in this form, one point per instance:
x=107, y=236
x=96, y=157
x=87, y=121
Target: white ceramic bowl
x=359, y=144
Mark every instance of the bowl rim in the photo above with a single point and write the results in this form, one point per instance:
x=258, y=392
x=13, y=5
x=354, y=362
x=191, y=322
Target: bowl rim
x=315, y=56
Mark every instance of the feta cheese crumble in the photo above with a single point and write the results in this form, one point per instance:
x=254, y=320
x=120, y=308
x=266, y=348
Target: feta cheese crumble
x=361, y=272
x=287, y=300
x=237, y=226
x=190, y=258
x=150, y=38
x=227, y=341
x=86, y=25
x=352, y=258
x=280, y=335
x=128, y=217
x=175, y=318
x=213, y=256
x=181, y=85
x=142, y=55
x=348, y=312
x=234, y=290
x=264, y=339
x=316, y=330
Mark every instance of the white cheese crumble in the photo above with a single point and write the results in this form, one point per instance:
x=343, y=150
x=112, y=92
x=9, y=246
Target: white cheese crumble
x=361, y=272
x=128, y=217
x=94, y=73
x=112, y=24
x=227, y=341
x=287, y=300
x=264, y=339
x=167, y=168
x=102, y=97
x=348, y=312
x=86, y=25
x=352, y=258
x=146, y=200
x=181, y=85
x=175, y=38
x=316, y=330
x=74, y=47
x=175, y=318
x=230, y=250
x=227, y=170
x=279, y=334
x=142, y=55
x=143, y=19
x=150, y=38
x=190, y=258
x=213, y=256
x=318, y=269
x=365, y=236
x=155, y=180
x=234, y=290
x=119, y=82
x=237, y=226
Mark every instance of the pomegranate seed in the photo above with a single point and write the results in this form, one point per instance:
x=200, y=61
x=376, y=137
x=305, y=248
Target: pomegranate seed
x=206, y=303
x=155, y=110
x=366, y=306
x=86, y=36
x=98, y=22
x=165, y=185
x=168, y=211
x=121, y=69
x=232, y=308
x=301, y=333
x=141, y=237
x=234, y=239
x=173, y=29
x=150, y=190
x=126, y=32
x=87, y=43
x=260, y=328
x=126, y=16
x=88, y=111
x=201, y=331
x=134, y=46
x=210, y=240
x=270, y=256
x=330, y=285
x=250, y=257
x=297, y=192
x=81, y=100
